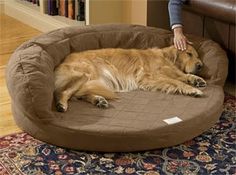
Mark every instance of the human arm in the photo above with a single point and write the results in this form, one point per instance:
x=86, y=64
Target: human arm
x=175, y=8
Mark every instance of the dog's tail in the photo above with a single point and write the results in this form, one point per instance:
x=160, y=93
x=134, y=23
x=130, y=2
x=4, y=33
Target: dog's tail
x=96, y=88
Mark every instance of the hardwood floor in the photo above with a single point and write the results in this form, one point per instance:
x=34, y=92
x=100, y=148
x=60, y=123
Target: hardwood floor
x=12, y=34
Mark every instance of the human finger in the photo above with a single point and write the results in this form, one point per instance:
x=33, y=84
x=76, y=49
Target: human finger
x=189, y=42
x=184, y=44
x=181, y=45
x=176, y=43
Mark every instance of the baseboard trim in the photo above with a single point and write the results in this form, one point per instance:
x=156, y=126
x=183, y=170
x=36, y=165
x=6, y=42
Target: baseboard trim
x=32, y=17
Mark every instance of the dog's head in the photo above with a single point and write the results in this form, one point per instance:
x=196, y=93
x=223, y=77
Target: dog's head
x=188, y=60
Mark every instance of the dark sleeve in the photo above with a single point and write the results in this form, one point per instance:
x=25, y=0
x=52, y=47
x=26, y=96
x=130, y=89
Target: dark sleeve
x=175, y=8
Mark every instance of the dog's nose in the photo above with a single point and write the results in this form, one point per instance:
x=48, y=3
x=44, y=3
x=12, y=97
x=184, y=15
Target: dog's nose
x=199, y=66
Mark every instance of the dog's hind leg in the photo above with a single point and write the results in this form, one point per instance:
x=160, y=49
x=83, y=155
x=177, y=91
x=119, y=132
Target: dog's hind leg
x=96, y=93
x=96, y=100
x=169, y=85
x=63, y=94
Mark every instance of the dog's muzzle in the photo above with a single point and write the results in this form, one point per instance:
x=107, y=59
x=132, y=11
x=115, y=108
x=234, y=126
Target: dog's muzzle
x=198, y=67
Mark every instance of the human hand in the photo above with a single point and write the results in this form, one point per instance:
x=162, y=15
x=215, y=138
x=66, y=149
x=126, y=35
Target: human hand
x=180, y=41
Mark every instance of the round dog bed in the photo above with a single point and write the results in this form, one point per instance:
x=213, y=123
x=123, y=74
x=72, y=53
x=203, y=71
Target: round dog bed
x=137, y=121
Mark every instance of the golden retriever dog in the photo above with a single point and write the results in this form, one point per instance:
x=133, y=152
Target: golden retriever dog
x=95, y=75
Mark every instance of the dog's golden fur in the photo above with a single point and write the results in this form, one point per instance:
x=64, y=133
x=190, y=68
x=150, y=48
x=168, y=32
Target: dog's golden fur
x=95, y=75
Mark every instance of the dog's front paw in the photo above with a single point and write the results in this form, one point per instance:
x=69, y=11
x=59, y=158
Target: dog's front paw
x=196, y=93
x=196, y=81
x=61, y=108
x=199, y=82
x=101, y=102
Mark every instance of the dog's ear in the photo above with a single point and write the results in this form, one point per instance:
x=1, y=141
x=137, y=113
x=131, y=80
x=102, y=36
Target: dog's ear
x=171, y=53
x=175, y=56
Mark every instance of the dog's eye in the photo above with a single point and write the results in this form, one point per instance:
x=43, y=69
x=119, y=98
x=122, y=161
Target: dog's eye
x=189, y=54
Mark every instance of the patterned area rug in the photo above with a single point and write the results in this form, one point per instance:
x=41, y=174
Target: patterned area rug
x=213, y=152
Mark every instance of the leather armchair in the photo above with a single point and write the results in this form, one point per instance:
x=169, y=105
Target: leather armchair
x=213, y=19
